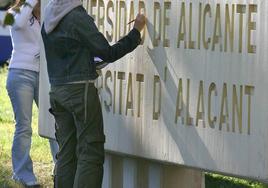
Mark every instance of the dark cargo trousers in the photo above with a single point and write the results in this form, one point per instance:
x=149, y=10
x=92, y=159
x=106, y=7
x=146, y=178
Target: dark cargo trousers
x=79, y=132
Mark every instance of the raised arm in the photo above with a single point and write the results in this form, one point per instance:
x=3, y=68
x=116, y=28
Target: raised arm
x=24, y=15
x=100, y=47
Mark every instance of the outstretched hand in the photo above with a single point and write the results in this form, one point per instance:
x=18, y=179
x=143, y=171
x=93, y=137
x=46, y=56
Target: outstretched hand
x=140, y=22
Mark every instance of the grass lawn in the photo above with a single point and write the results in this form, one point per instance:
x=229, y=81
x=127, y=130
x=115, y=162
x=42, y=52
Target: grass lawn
x=41, y=156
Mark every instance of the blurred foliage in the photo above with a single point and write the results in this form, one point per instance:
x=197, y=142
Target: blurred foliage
x=8, y=20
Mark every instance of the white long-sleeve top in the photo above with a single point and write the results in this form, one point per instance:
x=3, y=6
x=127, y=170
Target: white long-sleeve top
x=26, y=37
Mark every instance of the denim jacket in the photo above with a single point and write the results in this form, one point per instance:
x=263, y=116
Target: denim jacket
x=71, y=47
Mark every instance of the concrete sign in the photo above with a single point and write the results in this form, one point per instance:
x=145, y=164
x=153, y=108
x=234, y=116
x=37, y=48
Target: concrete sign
x=195, y=92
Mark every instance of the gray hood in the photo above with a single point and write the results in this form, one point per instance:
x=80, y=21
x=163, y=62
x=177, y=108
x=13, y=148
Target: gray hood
x=56, y=10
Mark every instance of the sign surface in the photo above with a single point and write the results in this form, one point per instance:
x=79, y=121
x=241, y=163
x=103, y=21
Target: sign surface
x=194, y=93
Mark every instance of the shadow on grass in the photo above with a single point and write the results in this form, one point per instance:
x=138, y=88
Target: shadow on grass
x=41, y=170
x=5, y=176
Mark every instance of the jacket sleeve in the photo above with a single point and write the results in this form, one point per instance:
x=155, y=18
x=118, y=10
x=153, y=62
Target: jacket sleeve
x=99, y=46
x=24, y=15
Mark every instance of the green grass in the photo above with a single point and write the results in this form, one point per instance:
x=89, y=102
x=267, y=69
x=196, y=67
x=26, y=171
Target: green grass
x=43, y=162
x=220, y=181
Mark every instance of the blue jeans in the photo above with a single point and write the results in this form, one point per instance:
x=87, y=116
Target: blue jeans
x=22, y=87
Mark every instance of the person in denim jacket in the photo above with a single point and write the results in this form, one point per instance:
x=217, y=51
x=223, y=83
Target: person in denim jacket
x=23, y=86
x=72, y=41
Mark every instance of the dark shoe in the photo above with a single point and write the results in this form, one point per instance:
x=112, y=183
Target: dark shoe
x=33, y=184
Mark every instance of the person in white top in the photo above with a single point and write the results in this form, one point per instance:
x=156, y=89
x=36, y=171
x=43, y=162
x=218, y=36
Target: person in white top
x=23, y=86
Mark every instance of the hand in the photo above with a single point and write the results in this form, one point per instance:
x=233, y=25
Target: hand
x=140, y=22
x=36, y=10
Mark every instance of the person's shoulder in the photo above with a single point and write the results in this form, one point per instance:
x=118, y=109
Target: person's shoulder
x=77, y=11
x=80, y=14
